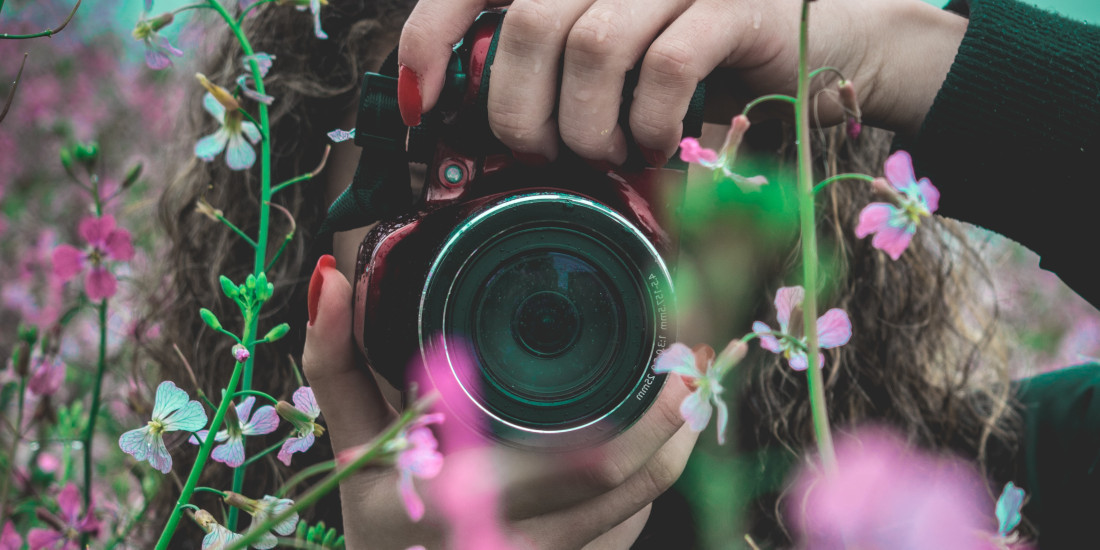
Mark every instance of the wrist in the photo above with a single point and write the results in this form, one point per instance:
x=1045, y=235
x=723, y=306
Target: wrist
x=915, y=45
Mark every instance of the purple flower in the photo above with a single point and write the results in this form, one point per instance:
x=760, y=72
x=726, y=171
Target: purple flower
x=47, y=374
x=73, y=525
x=302, y=415
x=233, y=137
x=420, y=458
x=231, y=453
x=106, y=243
x=886, y=495
x=894, y=226
x=157, y=48
x=833, y=329
x=217, y=537
x=699, y=369
x=263, y=63
x=240, y=353
x=173, y=410
x=1008, y=509
x=9, y=538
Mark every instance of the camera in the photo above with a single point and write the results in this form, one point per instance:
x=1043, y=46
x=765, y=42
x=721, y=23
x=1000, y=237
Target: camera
x=555, y=281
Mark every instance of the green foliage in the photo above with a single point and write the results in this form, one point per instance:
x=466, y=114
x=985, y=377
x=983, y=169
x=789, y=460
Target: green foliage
x=318, y=537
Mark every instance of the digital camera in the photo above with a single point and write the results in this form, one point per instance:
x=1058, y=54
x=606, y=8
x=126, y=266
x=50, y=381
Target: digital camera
x=555, y=280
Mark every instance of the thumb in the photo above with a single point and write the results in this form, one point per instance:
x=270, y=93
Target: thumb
x=346, y=390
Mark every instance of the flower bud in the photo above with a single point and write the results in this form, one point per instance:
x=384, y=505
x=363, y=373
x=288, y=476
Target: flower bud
x=208, y=210
x=132, y=175
x=242, y=502
x=86, y=153
x=853, y=127
x=733, y=353
x=240, y=353
x=882, y=187
x=205, y=520
x=163, y=20
x=210, y=319
x=849, y=99
x=738, y=126
x=277, y=332
x=221, y=94
x=21, y=359
x=228, y=287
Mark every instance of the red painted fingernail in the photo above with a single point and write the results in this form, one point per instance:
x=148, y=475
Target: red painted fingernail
x=531, y=159
x=316, y=281
x=654, y=157
x=408, y=96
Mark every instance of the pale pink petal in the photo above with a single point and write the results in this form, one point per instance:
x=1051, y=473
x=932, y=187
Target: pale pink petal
x=100, y=284
x=834, y=328
x=696, y=411
x=47, y=376
x=413, y=505
x=305, y=401
x=244, y=408
x=798, y=361
x=265, y=421
x=786, y=299
x=874, y=218
x=159, y=458
x=899, y=170
x=118, y=245
x=930, y=193
x=137, y=443
x=723, y=420
x=678, y=359
x=892, y=240
x=67, y=261
x=43, y=538
x=295, y=445
x=767, y=341
x=691, y=151
x=198, y=437
x=68, y=500
x=95, y=230
x=230, y=453
x=9, y=538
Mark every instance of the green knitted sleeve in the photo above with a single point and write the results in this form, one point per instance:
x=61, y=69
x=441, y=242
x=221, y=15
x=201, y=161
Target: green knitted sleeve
x=1012, y=137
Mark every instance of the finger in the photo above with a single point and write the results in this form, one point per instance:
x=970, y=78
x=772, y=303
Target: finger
x=606, y=42
x=587, y=521
x=523, y=90
x=685, y=53
x=536, y=484
x=346, y=391
x=624, y=534
x=429, y=35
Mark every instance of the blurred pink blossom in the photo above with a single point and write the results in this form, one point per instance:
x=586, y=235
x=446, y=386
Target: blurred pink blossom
x=47, y=375
x=106, y=242
x=68, y=501
x=889, y=496
x=9, y=538
x=419, y=458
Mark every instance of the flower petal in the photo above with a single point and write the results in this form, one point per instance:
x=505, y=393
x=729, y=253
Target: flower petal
x=305, y=401
x=137, y=443
x=692, y=151
x=263, y=62
x=767, y=341
x=169, y=399
x=239, y=154
x=723, y=419
x=696, y=411
x=251, y=131
x=230, y=453
x=893, y=240
x=208, y=147
x=100, y=284
x=899, y=170
x=798, y=361
x=413, y=505
x=678, y=359
x=1008, y=508
x=189, y=418
x=118, y=245
x=930, y=193
x=786, y=299
x=244, y=408
x=315, y=8
x=68, y=501
x=265, y=421
x=95, y=230
x=834, y=328
x=874, y=218
x=39, y=538
x=47, y=376
x=295, y=445
x=212, y=106
x=67, y=261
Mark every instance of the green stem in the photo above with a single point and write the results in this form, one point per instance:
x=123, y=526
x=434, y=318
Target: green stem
x=16, y=435
x=291, y=181
x=240, y=18
x=235, y=229
x=200, y=463
x=190, y=7
x=257, y=394
x=279, y=252
x=47, y=32
x=765, y=98
x=210, y=490
x=93, y=414
x=330, y=483
x=264, y=452
x=303, y=475
x=825, y=182
x=833, y=70
x=809, y=250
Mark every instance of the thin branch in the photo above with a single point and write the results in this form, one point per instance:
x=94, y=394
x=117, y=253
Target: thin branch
x=11, y=92
x=304, y=177
x=47, y=32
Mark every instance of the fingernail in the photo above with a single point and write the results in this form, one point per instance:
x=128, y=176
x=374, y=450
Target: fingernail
x=531, y=159
x=654, y=157
x=316, y=281
x=408, y=96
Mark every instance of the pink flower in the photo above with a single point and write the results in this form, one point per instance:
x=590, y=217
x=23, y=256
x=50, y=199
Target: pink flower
x=894, y=226
x=699, y=368
x=157, y=47
x=173, y=410
x=302, y=415
x=47, y=374
x=231, y=453
x=419, y=457
x=833, y=329
x=9, y=538
x=691, y=151
x=75, y=526
x=106, y=243
x=886, y=495
x=240, y=353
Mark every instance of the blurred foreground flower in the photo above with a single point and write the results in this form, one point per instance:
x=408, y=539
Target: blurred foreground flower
x=238, y=425
x=888, y=496
x=233, y=137
x=9, y=538
x=833, y=329
x=418, y=458
x=68, y=528
x=894, y=226
x=172, y=410
x=302, y=415
x=699, y=368
x=692, y=152
x=47, y=374
x=106, y=243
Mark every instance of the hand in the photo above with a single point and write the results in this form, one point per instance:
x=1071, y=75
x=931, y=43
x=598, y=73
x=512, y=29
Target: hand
x=897, y=52
x=597, y=497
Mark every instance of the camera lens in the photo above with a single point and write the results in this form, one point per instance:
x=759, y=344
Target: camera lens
x=564, y=303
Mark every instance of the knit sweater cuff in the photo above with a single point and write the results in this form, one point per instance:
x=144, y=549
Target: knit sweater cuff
x=1008, y=135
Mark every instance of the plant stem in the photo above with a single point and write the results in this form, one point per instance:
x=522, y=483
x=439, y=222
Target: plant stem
x=255, y=393
x=264, y=452
x=210, y=490
x=833, y=70
x=236, y=230
x=93, y=414
x=766, y=98
x=200, y=462
x=47, y=32
x=809, y=250
x=825, y=182
x=303, y=475
x=254, y=5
